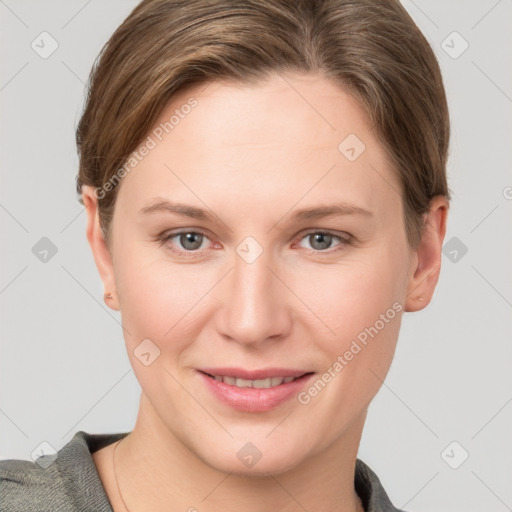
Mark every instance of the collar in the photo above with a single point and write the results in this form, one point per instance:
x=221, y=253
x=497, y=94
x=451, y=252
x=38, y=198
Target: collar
x=91, y=496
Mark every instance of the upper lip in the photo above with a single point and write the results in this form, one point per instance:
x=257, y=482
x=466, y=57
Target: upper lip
x=264, y=373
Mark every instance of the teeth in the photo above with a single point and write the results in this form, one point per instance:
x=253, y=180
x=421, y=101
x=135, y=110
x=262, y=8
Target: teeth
x=267, y=383
x=242, y=383
x=259, y=383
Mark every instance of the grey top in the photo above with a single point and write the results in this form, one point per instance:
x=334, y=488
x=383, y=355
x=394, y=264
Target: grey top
x=69, y=481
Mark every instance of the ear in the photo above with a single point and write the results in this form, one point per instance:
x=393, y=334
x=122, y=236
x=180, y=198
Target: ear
x=426, y=258
x=100, y=251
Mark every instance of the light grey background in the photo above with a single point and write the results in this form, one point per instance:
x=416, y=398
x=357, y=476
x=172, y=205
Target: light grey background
x=63, y=365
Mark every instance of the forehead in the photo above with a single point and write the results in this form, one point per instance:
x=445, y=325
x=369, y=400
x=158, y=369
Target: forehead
x=274, y=140
x=281, y=110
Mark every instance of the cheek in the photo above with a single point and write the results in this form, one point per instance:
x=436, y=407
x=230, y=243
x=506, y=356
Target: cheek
x=159, y=299
x=362, y=308
x=160, y=302
x=351, y=297
x=169, y=302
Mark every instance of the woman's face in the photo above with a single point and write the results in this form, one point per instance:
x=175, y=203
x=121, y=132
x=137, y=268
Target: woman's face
x=262, y=229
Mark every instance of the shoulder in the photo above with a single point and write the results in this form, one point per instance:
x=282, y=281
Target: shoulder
x=371, y=491
x=24, y=484
x=63, y=481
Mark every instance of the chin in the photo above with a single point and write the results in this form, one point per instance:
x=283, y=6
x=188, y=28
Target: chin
x=261, y=469
x=255, y=459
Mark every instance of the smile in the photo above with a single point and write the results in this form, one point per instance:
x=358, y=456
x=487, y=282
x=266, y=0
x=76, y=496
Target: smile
x=254, y=391
x=258, y=383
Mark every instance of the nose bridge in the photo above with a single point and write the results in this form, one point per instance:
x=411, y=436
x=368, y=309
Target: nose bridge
x=255, y=307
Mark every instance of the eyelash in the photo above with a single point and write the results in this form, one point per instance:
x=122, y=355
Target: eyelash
x=164, y=238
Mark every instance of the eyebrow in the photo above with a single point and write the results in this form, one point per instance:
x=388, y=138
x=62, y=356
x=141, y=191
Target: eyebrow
x=177, y=208
x=303, y=214
x=335, y=209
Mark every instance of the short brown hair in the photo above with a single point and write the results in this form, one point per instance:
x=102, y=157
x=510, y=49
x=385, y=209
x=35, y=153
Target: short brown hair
x=372, y=49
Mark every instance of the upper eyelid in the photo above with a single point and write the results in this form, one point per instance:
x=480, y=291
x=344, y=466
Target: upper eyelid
x=299, y=237
x=341, y=239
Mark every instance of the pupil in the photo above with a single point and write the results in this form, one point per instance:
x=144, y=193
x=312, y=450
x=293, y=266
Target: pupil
x=191, y=241
x=323, y=239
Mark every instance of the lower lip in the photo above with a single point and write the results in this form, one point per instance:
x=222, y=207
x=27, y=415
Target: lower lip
x=255, y=399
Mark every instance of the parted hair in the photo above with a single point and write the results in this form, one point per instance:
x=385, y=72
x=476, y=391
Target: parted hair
x=371, y=48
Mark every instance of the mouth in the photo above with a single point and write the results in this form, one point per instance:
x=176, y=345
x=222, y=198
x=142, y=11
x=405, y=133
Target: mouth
x=254, y=391
x=269, y=382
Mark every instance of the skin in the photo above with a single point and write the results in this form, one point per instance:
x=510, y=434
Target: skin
x=253, y=155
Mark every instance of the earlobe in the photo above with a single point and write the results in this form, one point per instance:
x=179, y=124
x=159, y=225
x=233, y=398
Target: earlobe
x=99, y=248
x=426, y=262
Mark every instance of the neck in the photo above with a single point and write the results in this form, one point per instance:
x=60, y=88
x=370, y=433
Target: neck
x=156, y=471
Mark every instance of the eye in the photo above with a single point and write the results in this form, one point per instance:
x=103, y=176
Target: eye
x=184, y=241
x=192, y=243
x=321, y=240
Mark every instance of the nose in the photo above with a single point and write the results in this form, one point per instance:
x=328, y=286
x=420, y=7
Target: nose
x=256, y=306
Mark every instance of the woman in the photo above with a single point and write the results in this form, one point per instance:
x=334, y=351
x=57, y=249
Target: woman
x=266, y=195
